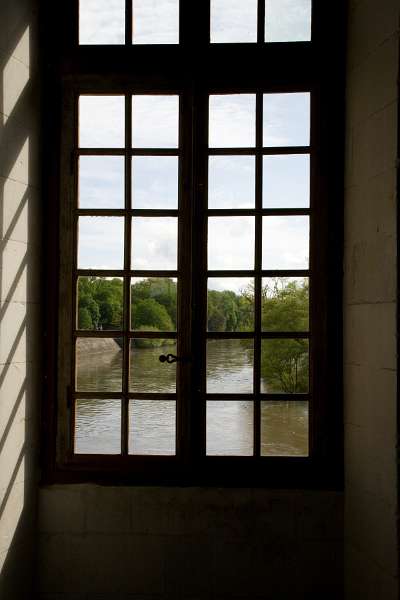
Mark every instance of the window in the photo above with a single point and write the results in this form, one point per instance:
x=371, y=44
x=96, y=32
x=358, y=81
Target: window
x=199, y=227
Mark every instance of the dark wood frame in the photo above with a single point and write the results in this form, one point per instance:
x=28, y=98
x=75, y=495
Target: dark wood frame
x=222, y=68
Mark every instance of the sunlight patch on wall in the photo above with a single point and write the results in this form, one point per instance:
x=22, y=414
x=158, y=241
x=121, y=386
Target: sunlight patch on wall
x=16, y=75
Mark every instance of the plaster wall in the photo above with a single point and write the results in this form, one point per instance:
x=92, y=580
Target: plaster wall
x=19, y=295
x=371, y=553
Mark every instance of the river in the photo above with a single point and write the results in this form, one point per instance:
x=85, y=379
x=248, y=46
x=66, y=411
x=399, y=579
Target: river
x=284, y=425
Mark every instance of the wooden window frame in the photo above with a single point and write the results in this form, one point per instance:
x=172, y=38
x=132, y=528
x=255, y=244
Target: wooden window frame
x=195, y=68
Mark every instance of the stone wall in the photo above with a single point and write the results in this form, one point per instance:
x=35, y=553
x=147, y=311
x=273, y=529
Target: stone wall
x=98, y=543
x=20, y=209
x=370, y=301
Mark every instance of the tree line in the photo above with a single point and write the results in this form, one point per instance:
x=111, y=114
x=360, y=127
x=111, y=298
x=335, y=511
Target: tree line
x=284, y=362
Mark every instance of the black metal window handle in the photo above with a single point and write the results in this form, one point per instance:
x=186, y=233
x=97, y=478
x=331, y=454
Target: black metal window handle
x=171, y=358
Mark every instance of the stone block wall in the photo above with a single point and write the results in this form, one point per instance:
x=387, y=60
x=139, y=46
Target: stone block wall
x=20, y=214
x=370, y=361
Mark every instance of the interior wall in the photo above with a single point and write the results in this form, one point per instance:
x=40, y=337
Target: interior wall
x=133, y=543
x=19, y=294
x=370, y=301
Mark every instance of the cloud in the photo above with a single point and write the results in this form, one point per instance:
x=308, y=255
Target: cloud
x=101, y=181
x=101, y=121
x=155, y=121
x=287, y=20
x=233, y=21
x=101, y=243
x=101, y=21
x=232, y=121
x=155, y=21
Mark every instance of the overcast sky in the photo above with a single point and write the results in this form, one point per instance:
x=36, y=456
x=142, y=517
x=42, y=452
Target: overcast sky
x=157, y=21
x=231, y=181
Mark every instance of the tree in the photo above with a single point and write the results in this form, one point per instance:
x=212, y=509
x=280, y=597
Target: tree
x=148, y=313
x=284, y=362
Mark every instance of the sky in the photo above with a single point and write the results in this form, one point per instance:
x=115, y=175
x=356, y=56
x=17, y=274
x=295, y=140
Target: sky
x=156, y=21
x=232, y=124
x=231, y=182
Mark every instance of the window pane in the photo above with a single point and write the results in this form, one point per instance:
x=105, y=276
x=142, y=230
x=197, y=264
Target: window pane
x=101, y=21
x=100, y=303
x=101, y=243
x=153, y=304
x=284, y=366
x=101, y=121
x=101, y=181
x=231, y=181
x=288, y=21
x=231, y=243
x=285, y=242
x=155, y=182
x=152, y=427
x=97, y=426
x=147, y=373
x=285, y=304
x=155, y=121
x=232, y=121
x=99, y=364
x=284, y=428
x=229, y=428
x=233, y=21
x=155, y=21
x=286, y=119
x=230, y=304
x=154, y=243
x=286, y=181
x=230, y=366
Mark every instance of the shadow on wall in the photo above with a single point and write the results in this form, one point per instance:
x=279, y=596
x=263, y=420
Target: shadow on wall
x=19, y=295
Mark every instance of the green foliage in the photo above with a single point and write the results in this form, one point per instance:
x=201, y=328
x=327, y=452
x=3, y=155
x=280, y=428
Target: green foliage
x=284, y=362
x=148, y=313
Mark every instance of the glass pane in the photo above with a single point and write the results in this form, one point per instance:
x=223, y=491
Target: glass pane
x=101, y=181
x=101, y=243
x=147, y=373
x=100, y=303
x=288, y=21
x=101, y=21
x=286, y=119
x=284, y=366
x=284, y=428
x=231, y=243
x=230, y=366
x=233, y=21
x=101, y=121
x=156, y=21
x=286, y=181
x=152, y=427
x=230, y=304
x=285, y=304
x=229, y=428
x=285, y=242
x=231, y=181
x=154, y=243
x=232, y=121
x=99, y=364
x=97, y=426
x=155, y=182
x=155, y=121
x=153, y=304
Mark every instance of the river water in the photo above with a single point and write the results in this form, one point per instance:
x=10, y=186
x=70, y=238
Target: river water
x=284, y=425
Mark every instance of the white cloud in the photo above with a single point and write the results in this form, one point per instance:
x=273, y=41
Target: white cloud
x=154, y=243
x=101, y=243
x=155, y=182
x=232, y=121
x=285, y=242
x=287, y=20
x=231, y=182
x=231, y=243
x=286, y=181
x=286, y=119
x=155, y=121
x=155, y=21
x=101, y=121
x=233, y=21
x=101, y=181
x=101, y=21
